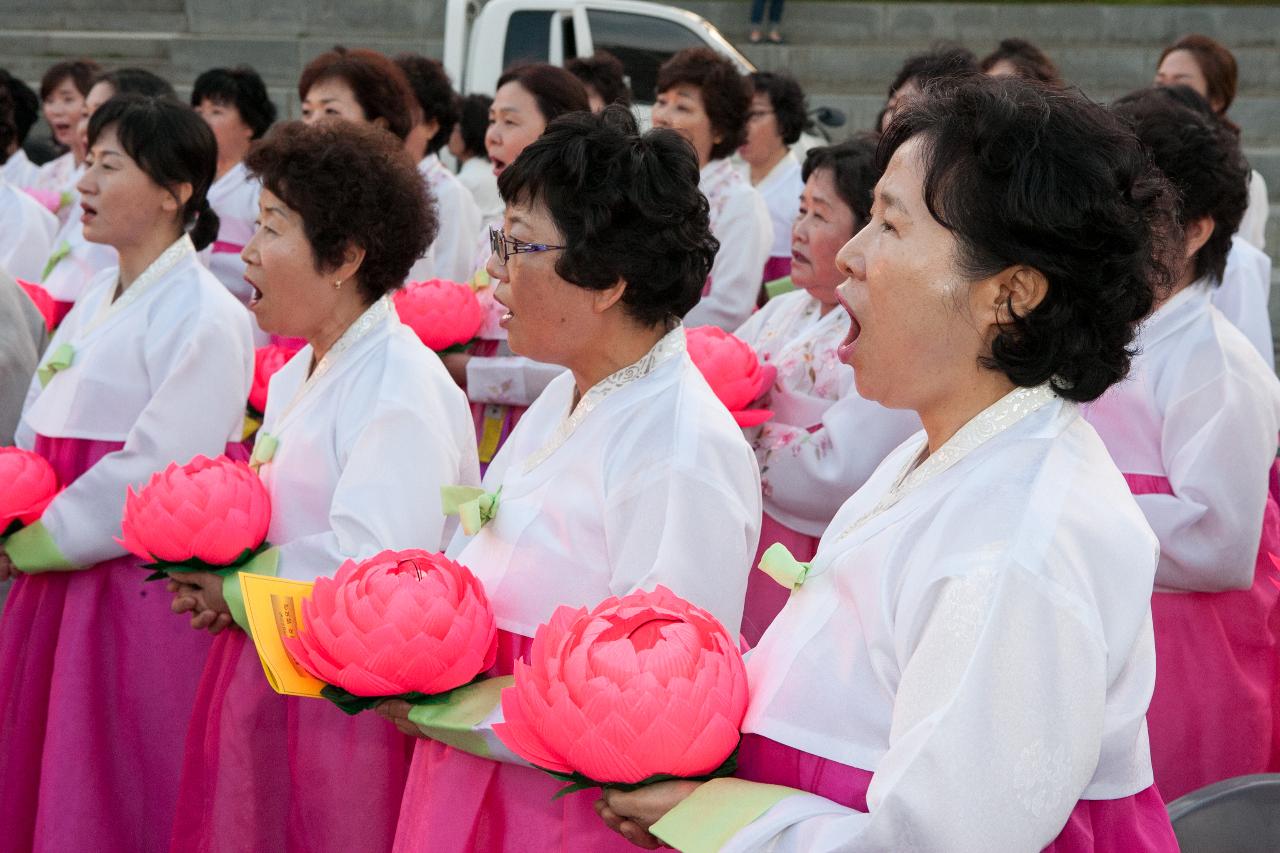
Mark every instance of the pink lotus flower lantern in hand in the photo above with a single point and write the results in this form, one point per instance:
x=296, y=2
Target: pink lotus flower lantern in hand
x=443, y=314
x=207, y=515
x=43, y=301
x=641, y=688
x=30, y=484
x=733, y=371
x=405, y=624
x=266, y=361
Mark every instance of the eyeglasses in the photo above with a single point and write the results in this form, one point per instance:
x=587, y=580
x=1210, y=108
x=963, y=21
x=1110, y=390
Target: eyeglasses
x=504, y=247
x=758, y=114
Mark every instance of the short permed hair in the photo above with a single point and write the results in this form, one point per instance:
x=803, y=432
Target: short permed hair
x=944, y=62
x=378, y=84
x=430, y=85
x=1025, y=174
x=81, y=72
x=473, y=123
x=383, y=210
x=726, y=94
x=854, y=172
x=1201, y=157
x=790, y=109
x=240, y=87
x=554, y=90
x=1030, y=61
x=627, y=206
x=136, y=81
x=8, y=127
x=603, y=72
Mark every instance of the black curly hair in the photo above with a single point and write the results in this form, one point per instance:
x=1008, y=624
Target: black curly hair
x=240, y=87
x=726, y=94
x=352, y=184
x=431, y=86
x=1201, y=157
x=1022, y=173
x=627, y=206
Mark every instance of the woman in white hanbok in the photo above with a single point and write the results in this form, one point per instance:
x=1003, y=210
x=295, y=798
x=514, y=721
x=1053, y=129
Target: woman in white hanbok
x=1194, y=429
x=502, y=384
x=63, y=89
x=966, y=662
x=150, y=368
x=778, y=115
x=824, y=439
x=362, y=428
x=235, y=103
x=702, y=97
x=605, y=485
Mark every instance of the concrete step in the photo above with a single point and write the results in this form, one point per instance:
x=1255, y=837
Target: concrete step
x=980, y=25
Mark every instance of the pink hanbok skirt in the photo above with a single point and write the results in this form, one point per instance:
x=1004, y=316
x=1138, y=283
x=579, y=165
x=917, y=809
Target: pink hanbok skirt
x=1214, y=713
x=97, y=680
x=456, y=802
x=1134, y=824
x=765, y=596
x=265, y=772
x=776, y=268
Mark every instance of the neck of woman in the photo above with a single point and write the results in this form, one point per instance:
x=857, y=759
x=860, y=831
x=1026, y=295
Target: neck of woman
x=136, y=257
x=760, y=171
x=617, y=350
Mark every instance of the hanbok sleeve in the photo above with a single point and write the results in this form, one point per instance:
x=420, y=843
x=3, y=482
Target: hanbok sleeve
x=809, y=473
x=691, y=531
x=1244, y=294
x=387, y=497
x=996, y=731
x=1218, y=443
x=746, y=235
x=202, y=372
x=459, y=223
x=511, y=380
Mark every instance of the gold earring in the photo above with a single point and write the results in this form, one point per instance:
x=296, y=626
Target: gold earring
x=337, y=285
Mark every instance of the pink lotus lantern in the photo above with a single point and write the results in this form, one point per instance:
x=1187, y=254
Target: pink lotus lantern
x=266, y=361
x=207, y=515
x=43, y=301
x=49, y=200
x=405, y=624
x=30, y=484
x=733, y=371
x=642, y=688
x=443, y=314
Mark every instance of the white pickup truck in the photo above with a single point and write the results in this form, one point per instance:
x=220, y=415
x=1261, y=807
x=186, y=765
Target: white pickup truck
x=483, y=38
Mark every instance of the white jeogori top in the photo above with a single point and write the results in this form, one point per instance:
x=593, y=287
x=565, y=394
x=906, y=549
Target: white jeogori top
x=165, y=369
x=363, y=446
x=824, y=440
x=458, y=218
x=975, y=631
x=1245, y=293
x=27, y=230
x=646, y=481
x=740, y=221
x=1201, y=409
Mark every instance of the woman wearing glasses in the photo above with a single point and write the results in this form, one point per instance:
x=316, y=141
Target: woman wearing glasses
x=626, y=472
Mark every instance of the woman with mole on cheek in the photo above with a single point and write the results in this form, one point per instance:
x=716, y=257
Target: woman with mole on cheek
x=966, y=663
x=97, y=678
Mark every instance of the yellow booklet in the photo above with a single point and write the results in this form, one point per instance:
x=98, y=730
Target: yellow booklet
x=273, y=608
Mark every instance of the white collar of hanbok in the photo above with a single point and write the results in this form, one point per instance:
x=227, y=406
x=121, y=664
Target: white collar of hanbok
x=180, y=250
x=671, y=344
x=1009, y=410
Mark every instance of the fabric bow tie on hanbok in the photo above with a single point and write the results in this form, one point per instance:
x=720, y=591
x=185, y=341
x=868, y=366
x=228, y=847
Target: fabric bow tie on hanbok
x=64, y=249
x=474, y=506
x=264, y=448
x=778, y=563
x=60, y=360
